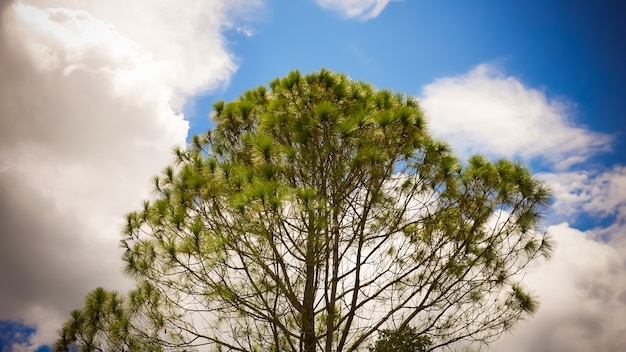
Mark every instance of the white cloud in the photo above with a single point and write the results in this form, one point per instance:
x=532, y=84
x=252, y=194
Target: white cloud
x=582, y=291
x=90, y=97
x=484, y=111
x=245, y=31
x=361, y=9
x=598, y=194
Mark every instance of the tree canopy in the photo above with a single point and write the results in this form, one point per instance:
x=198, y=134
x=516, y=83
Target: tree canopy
x=320, y=215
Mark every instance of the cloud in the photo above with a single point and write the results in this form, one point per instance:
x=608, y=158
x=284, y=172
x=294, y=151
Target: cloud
x=599, y=195
x=583, y=288
x=361, y=9
x=90, y=97
x=582, y=291
x=484, y=111
x=245, y=31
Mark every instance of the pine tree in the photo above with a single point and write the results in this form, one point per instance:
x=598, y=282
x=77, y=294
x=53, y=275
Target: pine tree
x=319, y=213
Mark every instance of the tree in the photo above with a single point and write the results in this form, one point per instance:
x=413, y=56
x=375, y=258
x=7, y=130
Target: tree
x=404, y=340
x=107, y=323
x=320, y=213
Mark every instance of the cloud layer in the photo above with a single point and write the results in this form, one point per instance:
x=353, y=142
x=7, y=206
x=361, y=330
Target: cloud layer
x=360, y=9
x=90, y=96
x=488, y=112
x=582, y=290
x=598, y=194
x=583, y=298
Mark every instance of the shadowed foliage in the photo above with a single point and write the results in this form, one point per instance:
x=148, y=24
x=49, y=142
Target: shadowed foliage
x=404, y=340
x=105, y=323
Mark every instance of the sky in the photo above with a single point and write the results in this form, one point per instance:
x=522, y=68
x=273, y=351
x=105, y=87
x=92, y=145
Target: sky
x=94, y=95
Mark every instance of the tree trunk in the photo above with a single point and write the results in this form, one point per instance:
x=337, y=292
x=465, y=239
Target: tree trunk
x=308, y=313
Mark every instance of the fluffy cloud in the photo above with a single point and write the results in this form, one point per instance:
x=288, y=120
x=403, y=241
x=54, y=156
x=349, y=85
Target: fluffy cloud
x=598, y=194
x=583, y=298
x=361, y=9
x=582, y=290
x=485, y=111
x=90, y=96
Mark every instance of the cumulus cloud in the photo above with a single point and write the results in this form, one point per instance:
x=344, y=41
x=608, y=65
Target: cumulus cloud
x=583, y=298
x=582, y=290
x=360, y=9
x=91, y=97
x=600, y=195
x=488, y=112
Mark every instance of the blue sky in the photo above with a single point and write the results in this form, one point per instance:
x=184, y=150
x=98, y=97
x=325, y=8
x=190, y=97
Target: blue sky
x=569, y=49
x=95, y=94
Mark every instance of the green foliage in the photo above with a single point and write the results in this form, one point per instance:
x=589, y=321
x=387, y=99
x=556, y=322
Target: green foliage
x=314, y=215
x=404, y=340
x=105, y=323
